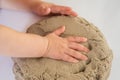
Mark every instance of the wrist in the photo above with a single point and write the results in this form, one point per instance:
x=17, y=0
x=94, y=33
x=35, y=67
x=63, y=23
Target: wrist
x=45, y=46
x=34, y=45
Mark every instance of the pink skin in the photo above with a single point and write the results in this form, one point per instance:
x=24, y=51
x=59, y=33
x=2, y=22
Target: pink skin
x=44, y=8
x=66, y=49
x=69, y=50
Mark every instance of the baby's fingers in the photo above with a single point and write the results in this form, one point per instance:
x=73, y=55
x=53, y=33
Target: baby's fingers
x=68, y=58
x=59, y=30
x=76, y=39
x=76, y=54
x=78, y=47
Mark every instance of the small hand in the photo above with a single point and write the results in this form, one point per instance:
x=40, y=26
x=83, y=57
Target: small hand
x=65, y=48
x=43, y=8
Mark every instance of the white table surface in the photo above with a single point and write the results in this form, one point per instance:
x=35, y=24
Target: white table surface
x=103, y=13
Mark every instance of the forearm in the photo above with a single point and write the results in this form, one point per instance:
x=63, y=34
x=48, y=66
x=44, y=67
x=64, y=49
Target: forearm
x=16, y=44
x=28, y=3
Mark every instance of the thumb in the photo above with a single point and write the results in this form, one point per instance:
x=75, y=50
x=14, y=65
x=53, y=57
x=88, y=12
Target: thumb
x=59, y=31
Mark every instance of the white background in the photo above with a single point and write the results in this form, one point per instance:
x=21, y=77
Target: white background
x=103, y=13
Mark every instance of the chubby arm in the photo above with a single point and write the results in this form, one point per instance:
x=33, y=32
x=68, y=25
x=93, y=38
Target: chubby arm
x=17, y=44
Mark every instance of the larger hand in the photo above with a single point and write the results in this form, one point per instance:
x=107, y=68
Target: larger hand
x=45, y=8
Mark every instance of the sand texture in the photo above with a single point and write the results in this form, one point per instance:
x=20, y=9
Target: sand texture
x=97, y=67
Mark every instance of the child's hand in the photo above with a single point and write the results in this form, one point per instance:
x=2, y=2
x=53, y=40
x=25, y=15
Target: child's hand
x=65, y=48
x=43, y=8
